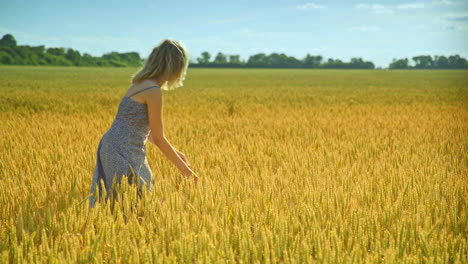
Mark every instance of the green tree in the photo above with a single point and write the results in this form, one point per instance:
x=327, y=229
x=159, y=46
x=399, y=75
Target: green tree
x=205, y=58
x=220, y=59
x=312, y=61
x=334, y=64
x=5, y=58
x=399, y=64
x=423, y=62
x=56, y=51
x=74, y=56
x=8, y=40
x=257, y=60
x=457, y=62
x=441, y=62
x=234, y=59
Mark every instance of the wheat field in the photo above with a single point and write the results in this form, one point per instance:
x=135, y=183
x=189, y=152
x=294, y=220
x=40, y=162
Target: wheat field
x=295, y=166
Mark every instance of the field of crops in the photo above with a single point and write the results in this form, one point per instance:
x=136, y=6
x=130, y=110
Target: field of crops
x=296, y=166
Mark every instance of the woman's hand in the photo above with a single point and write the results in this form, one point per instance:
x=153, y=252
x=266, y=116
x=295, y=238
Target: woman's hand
x=195, y=177
x=191, y=173
x=182, y=156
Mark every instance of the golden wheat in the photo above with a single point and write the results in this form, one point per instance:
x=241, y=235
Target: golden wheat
x=296, y=166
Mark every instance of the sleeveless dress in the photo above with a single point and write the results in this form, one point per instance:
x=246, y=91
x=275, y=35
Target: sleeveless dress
x=122, y=151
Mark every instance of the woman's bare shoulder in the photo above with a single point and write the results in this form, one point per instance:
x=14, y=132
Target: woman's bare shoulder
x=150, y=82
x=144, y=84
x=134, y=87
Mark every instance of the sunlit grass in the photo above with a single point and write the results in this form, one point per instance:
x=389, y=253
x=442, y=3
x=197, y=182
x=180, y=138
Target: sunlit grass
x=296, y=166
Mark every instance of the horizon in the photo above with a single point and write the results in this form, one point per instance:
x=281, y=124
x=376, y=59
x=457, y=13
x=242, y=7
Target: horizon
x=374, y=33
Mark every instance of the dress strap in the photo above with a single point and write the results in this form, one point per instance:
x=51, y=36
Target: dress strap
x=144, y=89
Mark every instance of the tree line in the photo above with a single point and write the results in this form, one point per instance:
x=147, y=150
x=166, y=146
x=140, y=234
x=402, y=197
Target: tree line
x=278, y=60
x=13, y=54
x=427, y=62
x=275, y=60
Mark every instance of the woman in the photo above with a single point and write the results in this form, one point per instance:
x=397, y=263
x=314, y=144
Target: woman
x=122, y=149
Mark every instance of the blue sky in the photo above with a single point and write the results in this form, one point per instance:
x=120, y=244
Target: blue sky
x=371, y=29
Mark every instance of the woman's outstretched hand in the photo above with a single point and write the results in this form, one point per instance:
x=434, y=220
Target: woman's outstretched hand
x=195, y=177
x=191, y=173
x=182, y=156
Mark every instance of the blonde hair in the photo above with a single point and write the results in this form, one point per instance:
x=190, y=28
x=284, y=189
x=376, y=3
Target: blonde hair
x=169, y=58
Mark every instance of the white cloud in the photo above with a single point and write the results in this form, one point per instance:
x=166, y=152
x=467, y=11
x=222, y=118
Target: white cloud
x=375, y=8
x=364, y=28
x=389, y=9
x=454, y=21
x=450, y=2
x=462, y=27
x=411, y=6
x=311, y=6
x=456, y=17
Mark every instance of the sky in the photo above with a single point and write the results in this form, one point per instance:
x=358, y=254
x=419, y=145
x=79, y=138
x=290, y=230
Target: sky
x=375, y=30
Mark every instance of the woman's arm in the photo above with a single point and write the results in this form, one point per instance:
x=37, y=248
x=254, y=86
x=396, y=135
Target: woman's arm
x=181, y=155
x=154, y=103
